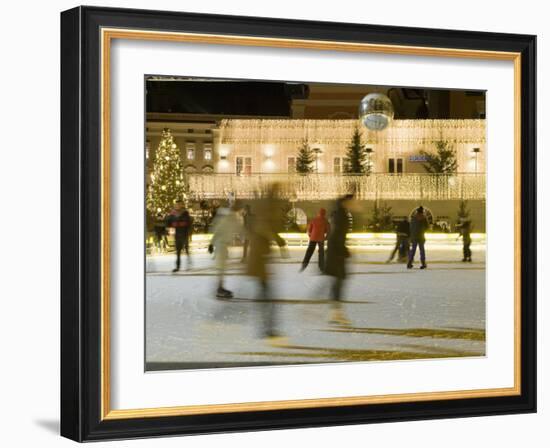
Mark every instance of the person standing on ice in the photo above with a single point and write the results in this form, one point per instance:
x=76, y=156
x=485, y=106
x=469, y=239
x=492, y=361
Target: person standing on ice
x=317, y=230
x=247, y=224
x=181, y=221
x=401, y=241
x=337, y=253
x=225, y=226
x=465, y=229
x=418, y=227
x=160, y=232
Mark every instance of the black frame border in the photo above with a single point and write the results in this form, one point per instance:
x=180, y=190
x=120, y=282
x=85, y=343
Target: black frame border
x=81, y=223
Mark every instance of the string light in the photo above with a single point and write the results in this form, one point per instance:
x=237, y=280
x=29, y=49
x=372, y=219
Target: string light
x=293, y=131
x=329, y=186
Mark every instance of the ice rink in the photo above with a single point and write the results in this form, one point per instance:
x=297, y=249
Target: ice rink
x=395, y=313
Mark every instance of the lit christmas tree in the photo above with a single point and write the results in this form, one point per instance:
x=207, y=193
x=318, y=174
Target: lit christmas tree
x=305, y=158
x=167, y=181
x=355, y=161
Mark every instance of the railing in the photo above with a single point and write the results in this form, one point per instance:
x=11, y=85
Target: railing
x=329, y=186
x=200, y=242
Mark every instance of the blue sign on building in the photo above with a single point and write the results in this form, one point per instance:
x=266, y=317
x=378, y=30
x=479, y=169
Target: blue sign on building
x=418, y=158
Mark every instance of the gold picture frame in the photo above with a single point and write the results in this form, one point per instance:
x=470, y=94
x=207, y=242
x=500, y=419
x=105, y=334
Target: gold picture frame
x=119, y=24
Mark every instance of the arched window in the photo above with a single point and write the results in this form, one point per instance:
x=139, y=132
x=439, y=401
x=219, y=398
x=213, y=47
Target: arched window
x=296, y=220
x=427, y=212
x=207, y=169
x=190, y=169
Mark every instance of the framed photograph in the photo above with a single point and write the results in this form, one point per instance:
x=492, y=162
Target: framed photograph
x=275, y=223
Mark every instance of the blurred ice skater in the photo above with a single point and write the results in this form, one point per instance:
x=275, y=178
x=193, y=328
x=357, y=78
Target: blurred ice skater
x=337, y=253
x=264, y=230
x=225, y=226
x=247, y=222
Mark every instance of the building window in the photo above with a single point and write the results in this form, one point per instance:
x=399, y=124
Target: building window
x=190, y=169
x=207, y=169
x=292, y=165
x=207, y=152
x=243, y=165
x=337, y=165
x=190, y=151
x=395, y=165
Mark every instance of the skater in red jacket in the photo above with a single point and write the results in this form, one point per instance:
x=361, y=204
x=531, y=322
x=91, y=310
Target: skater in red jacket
x=317, y=230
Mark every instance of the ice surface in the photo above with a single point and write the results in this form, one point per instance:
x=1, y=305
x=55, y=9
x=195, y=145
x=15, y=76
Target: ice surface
x=395, y=313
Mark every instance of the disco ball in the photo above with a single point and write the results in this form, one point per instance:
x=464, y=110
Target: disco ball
x=376, y=111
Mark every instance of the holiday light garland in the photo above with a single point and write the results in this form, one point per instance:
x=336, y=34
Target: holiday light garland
x=378, y=186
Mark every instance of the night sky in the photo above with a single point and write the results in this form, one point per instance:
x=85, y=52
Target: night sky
x=270, y=99
x=267, y=99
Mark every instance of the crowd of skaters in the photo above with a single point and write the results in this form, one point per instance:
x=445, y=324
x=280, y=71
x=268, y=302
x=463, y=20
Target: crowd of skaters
x=259, y=228
x=410, y=236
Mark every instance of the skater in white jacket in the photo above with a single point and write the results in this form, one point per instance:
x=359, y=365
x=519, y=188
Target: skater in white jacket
x=225, y=226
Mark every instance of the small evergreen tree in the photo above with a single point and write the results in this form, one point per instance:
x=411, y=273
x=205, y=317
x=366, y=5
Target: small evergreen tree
x=356, y=157
x=443, y=161
x=167, y=181
x=305, y=158
x=381, y=218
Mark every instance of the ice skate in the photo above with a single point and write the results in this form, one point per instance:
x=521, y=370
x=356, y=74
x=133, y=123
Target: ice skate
x=338, y=318
x=284, y=252
x=222, y=293
x=277, y=340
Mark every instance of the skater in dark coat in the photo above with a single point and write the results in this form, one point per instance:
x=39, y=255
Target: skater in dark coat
x=418, y=227
x=247, y=224
x=182, y=222
x=401, y=241
x=337, y=253
x=160, y=232
x=465, y=229
x=318, y=229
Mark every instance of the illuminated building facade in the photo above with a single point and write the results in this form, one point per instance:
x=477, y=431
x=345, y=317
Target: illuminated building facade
x=271, y=146
x=235, y=138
